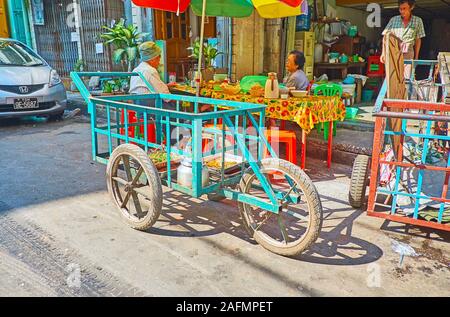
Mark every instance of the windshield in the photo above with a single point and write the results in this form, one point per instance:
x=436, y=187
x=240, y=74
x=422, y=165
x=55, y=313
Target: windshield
x=16, y=54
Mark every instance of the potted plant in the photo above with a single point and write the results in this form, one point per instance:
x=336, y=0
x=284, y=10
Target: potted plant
x=210, y=52
x=108, y=88
x=115, y=87
x=125, y=41
x=79, y=66
x=124, y=85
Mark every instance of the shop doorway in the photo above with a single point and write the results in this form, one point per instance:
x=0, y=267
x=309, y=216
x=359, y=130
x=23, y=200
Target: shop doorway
x=18, y=19
x=175, y=31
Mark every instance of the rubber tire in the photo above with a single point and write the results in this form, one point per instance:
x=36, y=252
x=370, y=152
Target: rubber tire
x=215, y=197
x=312, y=198
x=152, y=177
x=359, y=181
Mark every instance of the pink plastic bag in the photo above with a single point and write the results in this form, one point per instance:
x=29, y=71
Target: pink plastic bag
x=385, y=169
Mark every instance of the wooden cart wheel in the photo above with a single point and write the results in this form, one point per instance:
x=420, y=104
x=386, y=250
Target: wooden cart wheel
x=298, y=224
x=134, y=185
x=359, y=181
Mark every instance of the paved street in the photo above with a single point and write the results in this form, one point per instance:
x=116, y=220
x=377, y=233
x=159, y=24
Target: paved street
x=60, y=235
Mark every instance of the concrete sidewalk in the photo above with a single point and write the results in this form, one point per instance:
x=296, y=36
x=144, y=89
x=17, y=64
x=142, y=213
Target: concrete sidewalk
x=57, y=216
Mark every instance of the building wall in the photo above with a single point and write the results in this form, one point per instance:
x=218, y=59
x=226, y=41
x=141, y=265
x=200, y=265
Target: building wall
x=136, y=13
x=358, y=18
x=4, y=31
x=247, y=46
x=439, y=38
x=259, y=49
x=272, y=45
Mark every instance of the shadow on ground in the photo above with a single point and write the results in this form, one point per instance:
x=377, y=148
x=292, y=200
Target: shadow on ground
x=61, y=150
x=336, y=244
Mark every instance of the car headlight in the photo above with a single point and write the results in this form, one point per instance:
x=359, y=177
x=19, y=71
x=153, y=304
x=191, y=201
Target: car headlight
x=54, y=78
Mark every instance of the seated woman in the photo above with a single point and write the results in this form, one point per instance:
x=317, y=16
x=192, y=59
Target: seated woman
x=296, y=77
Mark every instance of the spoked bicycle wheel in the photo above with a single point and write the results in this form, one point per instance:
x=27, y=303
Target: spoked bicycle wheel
x=134, y=185
x=296, y=227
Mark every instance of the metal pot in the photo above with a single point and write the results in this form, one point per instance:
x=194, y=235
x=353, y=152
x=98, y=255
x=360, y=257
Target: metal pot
x=184, y=174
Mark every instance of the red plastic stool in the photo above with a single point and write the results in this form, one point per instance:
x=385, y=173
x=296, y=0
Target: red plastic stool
x=151, y=128
x=283, y=136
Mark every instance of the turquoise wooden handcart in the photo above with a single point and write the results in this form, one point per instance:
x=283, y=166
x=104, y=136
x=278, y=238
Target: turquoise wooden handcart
x=278, y=202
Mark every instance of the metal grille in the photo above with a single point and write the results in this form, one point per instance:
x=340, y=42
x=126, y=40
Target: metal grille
x=115, y=10
x=54, y=38
x=93, y=18
x=95, y=14
x=17, y=89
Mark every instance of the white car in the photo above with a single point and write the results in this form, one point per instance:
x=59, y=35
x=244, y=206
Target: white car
x=28, y=85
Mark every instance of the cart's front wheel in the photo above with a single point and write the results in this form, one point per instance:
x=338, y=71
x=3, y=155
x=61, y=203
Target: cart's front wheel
x=297, y=225
x=134, y=185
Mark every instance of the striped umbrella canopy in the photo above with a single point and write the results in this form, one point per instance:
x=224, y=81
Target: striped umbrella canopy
x=268, y=9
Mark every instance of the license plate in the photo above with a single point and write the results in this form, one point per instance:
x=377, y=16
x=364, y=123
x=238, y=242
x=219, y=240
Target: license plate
x=26, y=103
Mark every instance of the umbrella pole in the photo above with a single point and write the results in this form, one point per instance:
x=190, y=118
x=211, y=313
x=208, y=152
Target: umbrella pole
x=202, y=34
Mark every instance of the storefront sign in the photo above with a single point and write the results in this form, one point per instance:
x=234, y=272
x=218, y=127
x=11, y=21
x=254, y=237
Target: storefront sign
x=74, y=37
x=99, y=48
x=38, y=11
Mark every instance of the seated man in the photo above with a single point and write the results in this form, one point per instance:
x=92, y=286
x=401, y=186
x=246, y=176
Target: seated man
x=150, y=60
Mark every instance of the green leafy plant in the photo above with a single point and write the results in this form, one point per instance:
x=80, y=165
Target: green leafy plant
x=195, y=48
x=124, y=85
x=210, y=52
x=116, y=86
x=125, y=41
x=108, y=87
x=80, y=66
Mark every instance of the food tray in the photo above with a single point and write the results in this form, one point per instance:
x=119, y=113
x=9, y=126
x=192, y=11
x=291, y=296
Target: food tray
x=174, y=160
x=237, y=160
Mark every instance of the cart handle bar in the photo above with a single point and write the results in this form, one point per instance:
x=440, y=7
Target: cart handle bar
x=413, y=116
x=176, y=114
